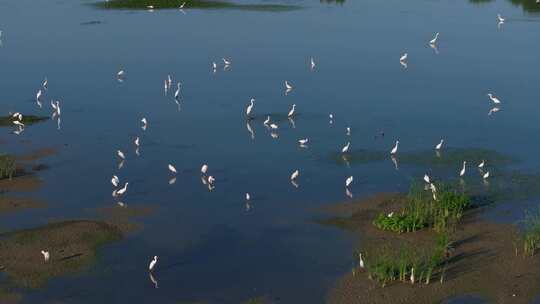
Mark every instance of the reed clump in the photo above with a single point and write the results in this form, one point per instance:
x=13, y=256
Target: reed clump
x=422, y=210
x=8, y=166
x=530, y=236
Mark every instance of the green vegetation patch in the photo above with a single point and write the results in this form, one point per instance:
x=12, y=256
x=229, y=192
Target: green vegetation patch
x=200, y=4
x=8, y=166
x=7, y=121
x=530, y=236
x=72, y=246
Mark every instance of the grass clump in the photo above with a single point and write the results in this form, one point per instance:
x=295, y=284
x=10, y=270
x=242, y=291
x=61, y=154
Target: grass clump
x=423, y=210
x=389, y=264
x=531, y=234
x=7, y=166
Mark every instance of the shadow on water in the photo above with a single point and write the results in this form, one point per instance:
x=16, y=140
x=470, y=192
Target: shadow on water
x=189, y=4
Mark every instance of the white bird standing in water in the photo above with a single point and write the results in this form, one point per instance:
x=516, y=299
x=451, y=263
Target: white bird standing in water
x=486, y=175
x=412, y=275
x=120, y=74
x=349, y=181
x=248, y=197
x=273, y=126
x=303, y=141
x=312, y=63
x=250, y=107
x=153, y=263
x=115, y=180
x=288, y=86
x=18, y=123
x=482, y=164
x=434, y=40
x=345, y=149
x=121, y=154
x=226, y=62
x=348, y=130
x=137, y=141
x=214, y=66
x=427, y=179
x=266, y=121
x=204, y=169
x=291, y=112
x=177, y=92
x=46, y=255
x=45, y=83
x=395, y=149
x=294, y=175
x=494, y=99
x=211, y=179
x=172, y=168
x=501, y=19
x=38, y=94
x=122, y=190
x=462, y=172
x=361, y=261
x=439, y=145
x=403, y=57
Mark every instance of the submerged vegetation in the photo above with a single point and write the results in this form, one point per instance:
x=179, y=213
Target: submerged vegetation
x=200, y=4
x=7, y=121
x=422, y=210
x=7, y=166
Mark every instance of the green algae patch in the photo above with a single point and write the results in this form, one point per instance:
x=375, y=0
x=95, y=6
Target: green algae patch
x=7, y=121
x=72, y=246
x=189, y=4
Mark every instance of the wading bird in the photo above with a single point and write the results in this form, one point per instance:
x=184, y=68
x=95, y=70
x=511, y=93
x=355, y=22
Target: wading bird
x=345, y=149
x=493, y=98
x=361, y=261
x=403, y=57
x=115, y=180
x=462, y=172
x=482, y=164
x=500, y=18
x=427, y=179
x=303, y=141
x=288, y=86
x=226, y=62
x=439, y=145
x=204, y=169
x=250, y=107
x=294, y=175
x=152, y=264
x=121, y=154
x=434, y=40
x=177, y=92
x=172, y=168
x=395, y=149
x=137, y=141
x=122, y=190
x=46, y=255
x=349, y=181
x=312, y=63
x=291, y=112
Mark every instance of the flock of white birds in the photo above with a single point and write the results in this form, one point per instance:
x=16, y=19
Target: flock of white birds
x=209, y=180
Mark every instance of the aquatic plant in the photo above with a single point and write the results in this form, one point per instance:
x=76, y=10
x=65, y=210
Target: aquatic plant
x=7, y=166
x=199, y=4
x=7, y=121
x=531, y=234
x=421, y=210
x=387, y=264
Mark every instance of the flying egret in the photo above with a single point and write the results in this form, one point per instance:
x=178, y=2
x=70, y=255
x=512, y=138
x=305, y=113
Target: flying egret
x=486, y=175
x=204, y=169
x=250, y=107
x=427, y=179
x=121, y=154
x=494, y=99
x=345, y=149
x=294, y=175
x=462, y=172
x=349, y=181
x=115, y=180
x=172, y=168
x=122, y=190
x=395, y=149
x=403, y=57
x=291, y=112
x=46, y=255
x=439, y=145
x=153, y=263
x=482, y=164
x=434, y=40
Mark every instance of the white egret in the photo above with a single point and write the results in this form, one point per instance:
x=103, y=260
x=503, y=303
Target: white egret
x=395, y=149
x=486, y=175
x=214, y=66
x=46, y=255
x=115, y=180
x=169, y=81
x=361, y=261
x=45, y=83
x=501, y=19
x=177, y=92
x=349, y=181
x=462, y=172
x=312, y=63
x=120, y=74
x=427, y=179
x=204, y=169
x=288, y=86
x=250, y=107
x=273, y=126
x=172, y=168
x=266, y=121
x=18, y=123
x=38, y=95
x=345, y=149
x=295, y=175
x=412, y=275
x=303, y=141
x=434, y=40
x=153, y=263
x=403, y=57
x=493, y=98
x=144, y=121
x=226, y=61
x=482, y=164
x=121, y=154
x=137, y=141
x=248, y=197
x=439, y=145
x=122, y=190
x=291, y=112
x=211, y=179
x=348, y=131
x=390, y=214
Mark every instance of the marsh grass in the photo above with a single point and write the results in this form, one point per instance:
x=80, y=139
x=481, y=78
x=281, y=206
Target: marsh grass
x=530, y=236
x=8, y=166
x=7, y=121
x=199, y=4
x=388, y=264
x=422, y=211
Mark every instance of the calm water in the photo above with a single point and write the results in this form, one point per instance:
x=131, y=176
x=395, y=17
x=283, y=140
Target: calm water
x=211, y=248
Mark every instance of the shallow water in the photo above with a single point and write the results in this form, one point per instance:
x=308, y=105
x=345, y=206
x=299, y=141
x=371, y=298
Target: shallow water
x=211, y=248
